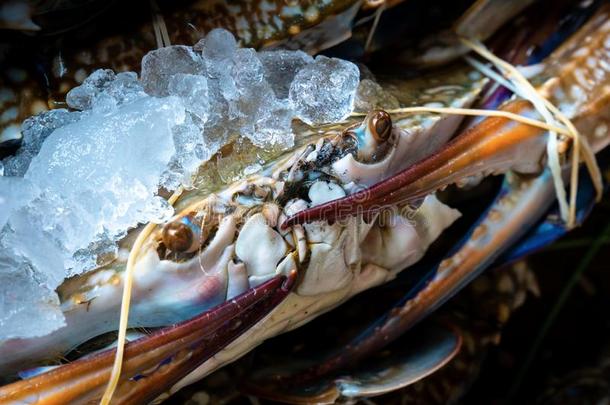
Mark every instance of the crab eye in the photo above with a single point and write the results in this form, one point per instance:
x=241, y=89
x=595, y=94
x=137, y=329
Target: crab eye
x=180, y=236
x=381, y=125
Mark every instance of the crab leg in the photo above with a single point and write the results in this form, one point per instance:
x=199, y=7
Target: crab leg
x=498, y=144
x=414, y=357
x=520, y=204
x=156, y=362
x=494, y=145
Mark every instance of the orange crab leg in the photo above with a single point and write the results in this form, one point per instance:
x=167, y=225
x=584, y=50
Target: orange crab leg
x=154, y=363
x=494, y=145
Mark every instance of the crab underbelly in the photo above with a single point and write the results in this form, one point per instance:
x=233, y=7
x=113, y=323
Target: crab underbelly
x=295, y=311
x=399, y=244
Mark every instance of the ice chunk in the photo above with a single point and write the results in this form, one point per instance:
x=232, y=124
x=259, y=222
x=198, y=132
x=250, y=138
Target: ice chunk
x=274, y=127
x=159, y=65
x=249, y=75
x=35, y=130
x=34, y=233
x=371, y=95
x=217, y=126
x=263, y=118
x=104, y=171
x=254, y=93
x=105, y=89
x=81, y=97
x=31, y=267
x=193, y=90
x=191, y=151
x=217, y=46
x=323, y=91
x=280, y=68
x=90, y=153
x=14, y=193
x=218, y=49
x=1, y=168
x=27, y=309
x=125, y=87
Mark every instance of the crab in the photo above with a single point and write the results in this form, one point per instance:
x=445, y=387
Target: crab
x=353, y=206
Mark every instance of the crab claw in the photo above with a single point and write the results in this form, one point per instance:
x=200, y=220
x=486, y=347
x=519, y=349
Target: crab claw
x=153, y=364
x=406, y=361
x=494, y=145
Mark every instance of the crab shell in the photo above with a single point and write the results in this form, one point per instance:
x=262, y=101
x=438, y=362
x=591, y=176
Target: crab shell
x=349, y=259
x=241, y=246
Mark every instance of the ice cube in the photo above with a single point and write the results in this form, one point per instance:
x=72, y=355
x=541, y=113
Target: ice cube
x=191, y=152
x=104, y=89
x=263, y=118
x=274, y=127
x=281, y=66
x=217, y=46
x=160, y=65
x=104, y=170
x=324, y=91
x=248, y=72
x=35, y=130
x=81, y=97
x=221, y=112
x=27, y=308
x=125, y=88
x=193, y=90
x=253, y=90
x=218, y=49
x=15, y=192
x=370, y=95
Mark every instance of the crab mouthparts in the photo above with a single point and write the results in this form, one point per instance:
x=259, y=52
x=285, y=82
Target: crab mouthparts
x=494, y=145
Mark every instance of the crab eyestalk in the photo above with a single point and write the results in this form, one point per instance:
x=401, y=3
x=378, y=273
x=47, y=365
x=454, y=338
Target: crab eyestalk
x=372, y=136
x=495, y=145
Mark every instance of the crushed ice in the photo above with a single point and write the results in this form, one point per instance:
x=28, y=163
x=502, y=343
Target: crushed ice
x=83, y=177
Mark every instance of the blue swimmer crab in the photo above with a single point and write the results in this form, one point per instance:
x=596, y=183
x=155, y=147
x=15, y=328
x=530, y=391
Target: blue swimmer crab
x=348, y=209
